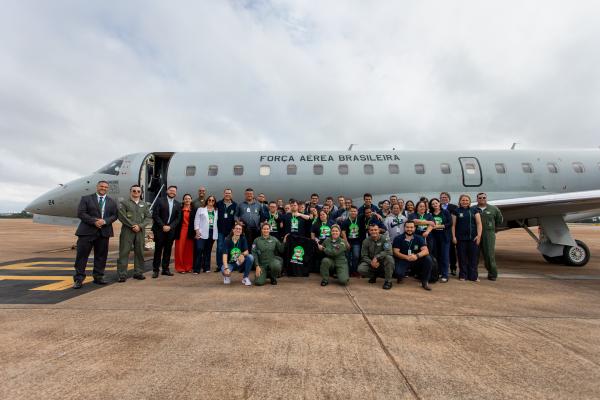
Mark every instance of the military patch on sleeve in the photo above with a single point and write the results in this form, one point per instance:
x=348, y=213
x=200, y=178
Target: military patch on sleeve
x=386, y=246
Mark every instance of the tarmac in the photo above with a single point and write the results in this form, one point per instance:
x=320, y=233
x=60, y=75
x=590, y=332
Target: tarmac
x=533, y=334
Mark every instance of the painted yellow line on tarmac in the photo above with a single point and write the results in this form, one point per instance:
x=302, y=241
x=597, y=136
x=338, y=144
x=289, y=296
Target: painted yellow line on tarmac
x=63, y=282
x=42, y=265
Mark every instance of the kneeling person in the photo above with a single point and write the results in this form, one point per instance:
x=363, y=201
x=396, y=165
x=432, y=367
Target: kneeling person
x=266, y=262
x=411, y=251
x=236, y=256
x=376, y=252
x=335, y=249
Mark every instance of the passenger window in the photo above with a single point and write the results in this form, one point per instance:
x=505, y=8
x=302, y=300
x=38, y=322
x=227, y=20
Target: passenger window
x=527, y=167
x=318, y=169
x=578, y=167
x=394, y=169
x=213, y=170
x=292, y=169
x=343, y=169
x=265, y=170
x=190, y=170
x=420, y=169
x=445, y=168
x=470, y=168
x=500, y=168
x=368, y=169
x=238, y=170
x=552, y=168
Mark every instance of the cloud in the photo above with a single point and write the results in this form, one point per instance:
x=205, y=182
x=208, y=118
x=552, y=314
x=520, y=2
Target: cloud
x=83, y=83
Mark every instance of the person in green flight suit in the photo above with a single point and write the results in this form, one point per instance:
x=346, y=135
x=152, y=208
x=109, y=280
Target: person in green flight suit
x=135, y=215
x=376, y=252
x=335, y=249
x=491, y=217
x=264, y=250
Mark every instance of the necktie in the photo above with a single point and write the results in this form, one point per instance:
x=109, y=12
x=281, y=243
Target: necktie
x=101, y=205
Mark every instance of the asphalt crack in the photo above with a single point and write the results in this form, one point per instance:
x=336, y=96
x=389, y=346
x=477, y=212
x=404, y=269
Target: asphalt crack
x=381, y=343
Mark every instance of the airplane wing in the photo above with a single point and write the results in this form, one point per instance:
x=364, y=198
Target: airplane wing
x=564, y=204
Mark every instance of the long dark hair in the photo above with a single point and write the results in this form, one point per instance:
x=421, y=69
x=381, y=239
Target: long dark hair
x=234, y=225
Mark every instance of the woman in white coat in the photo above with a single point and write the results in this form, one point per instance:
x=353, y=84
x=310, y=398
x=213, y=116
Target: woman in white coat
x=205, y=225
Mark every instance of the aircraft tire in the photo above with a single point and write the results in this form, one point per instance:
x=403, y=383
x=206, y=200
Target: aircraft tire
x=576, y=256
x=554, y=260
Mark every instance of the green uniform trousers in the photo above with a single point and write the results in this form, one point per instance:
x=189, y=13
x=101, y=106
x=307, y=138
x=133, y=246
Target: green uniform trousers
x=339, y=265
x=488, y=249
x=270, y=269
x=127, y=241
x=388, y=268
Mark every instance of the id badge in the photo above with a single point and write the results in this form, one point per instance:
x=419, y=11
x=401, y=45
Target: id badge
x=409, y=252
x=225, y=215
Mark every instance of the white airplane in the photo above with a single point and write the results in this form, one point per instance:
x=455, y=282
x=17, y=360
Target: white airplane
x=532, y=188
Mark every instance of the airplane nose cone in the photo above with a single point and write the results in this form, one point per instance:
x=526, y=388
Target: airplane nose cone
x=37, y=206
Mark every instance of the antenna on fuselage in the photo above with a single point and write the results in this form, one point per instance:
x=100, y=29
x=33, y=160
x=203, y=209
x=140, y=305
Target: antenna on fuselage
x=352, y=145
x=514, y=145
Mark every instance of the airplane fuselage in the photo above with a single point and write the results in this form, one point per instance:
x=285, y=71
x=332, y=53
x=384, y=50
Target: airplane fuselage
x=503, y=174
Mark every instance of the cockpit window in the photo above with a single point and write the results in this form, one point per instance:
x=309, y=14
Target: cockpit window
x=112, y=168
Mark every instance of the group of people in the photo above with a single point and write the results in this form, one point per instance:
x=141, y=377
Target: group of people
x=392, y=239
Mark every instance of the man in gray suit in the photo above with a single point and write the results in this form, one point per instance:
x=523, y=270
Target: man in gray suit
x=97, y=213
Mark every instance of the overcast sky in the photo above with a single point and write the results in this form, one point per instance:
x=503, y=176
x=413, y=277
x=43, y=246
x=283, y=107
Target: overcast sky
x=82, y=82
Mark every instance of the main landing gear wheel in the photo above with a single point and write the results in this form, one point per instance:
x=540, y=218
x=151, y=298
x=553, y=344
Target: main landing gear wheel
x=554, y=260
x=576, y=256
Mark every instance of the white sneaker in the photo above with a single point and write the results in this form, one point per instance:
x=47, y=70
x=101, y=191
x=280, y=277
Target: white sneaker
x=246, y=281
x=444, y=280
x=226, y=280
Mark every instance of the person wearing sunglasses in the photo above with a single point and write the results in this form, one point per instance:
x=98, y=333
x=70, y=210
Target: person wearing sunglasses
x=135, y=215
x=491, y=217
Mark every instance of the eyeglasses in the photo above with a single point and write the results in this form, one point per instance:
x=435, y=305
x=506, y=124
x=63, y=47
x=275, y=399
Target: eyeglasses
x=211, y=200
x=136, y=191
x=481, y=197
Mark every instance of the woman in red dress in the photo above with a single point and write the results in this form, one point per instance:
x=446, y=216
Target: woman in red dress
x=184, y=238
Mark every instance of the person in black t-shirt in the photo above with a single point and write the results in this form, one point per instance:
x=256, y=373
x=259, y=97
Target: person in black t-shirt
x=294, y=222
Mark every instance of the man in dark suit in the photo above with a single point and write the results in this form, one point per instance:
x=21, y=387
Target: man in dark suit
x=446, y=205
x=97, y=213
x=166, y=216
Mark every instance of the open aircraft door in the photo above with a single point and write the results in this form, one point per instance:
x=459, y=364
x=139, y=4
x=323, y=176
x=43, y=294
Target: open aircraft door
x=471, y=171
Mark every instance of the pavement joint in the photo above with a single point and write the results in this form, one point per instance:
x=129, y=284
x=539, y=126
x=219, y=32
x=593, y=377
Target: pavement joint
x=381, y=343
x=359, y=311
